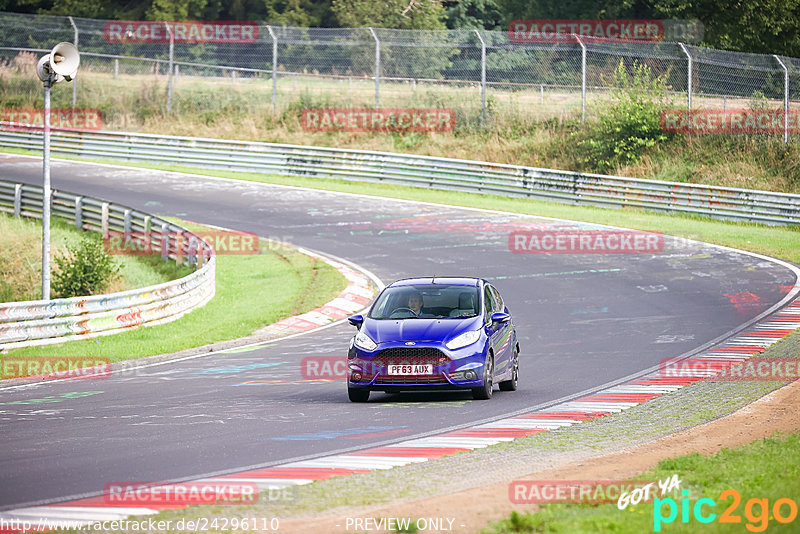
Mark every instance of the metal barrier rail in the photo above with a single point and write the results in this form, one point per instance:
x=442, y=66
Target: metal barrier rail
x=425, y=171
x=43, y=322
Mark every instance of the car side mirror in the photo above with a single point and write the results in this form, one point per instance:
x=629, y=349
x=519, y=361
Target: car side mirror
x=500, y=317
x=356, y=320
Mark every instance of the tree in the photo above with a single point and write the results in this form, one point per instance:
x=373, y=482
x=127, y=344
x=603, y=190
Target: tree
x=473, y=14
x=401, y=14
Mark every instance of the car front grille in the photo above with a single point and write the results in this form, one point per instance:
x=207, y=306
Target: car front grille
x=409, y=356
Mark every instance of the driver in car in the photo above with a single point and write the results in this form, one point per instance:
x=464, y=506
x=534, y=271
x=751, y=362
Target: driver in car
x=415, y=303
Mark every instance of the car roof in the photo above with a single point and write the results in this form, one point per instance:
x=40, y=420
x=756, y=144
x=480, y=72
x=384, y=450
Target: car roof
x=457, y=281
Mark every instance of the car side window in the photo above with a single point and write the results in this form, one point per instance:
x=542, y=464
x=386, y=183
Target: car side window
x=498, y=301
x=488, y=304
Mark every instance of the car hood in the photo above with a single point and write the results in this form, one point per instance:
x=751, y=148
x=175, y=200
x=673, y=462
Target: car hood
x=438, y=330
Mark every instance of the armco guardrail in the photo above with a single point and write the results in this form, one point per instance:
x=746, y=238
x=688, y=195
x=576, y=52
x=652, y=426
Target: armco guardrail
x=425, y=171
x=43, y=322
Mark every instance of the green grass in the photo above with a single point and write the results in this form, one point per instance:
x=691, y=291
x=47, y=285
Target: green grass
x=251, y=291
x=518, y=128
x=765, y=469
x=21, y=264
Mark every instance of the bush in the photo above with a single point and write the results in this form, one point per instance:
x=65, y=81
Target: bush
x=86, y=269
x=629, y=123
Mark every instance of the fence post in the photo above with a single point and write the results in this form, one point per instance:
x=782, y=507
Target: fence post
x=785, y=100
x=583, y=78
x=171, y=60
x=104, y=219
x=688, y=78
x=483, y=74
x=17, y=200
x=274, y=65
x=75, y=80
x=79, y=212
x=377, y=67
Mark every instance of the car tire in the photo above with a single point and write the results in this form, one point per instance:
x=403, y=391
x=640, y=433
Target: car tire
x=511, y=385
x=485, y=391
x=358, y=395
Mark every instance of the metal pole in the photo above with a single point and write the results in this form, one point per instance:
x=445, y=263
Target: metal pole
x=46, y=196
x=116, y=68
x=74, y=82
x=483, y=74
x=274, y=65
x=785, y=100
x=583, y=79
x=689, y=76
x=377, y=67
x=171, y=59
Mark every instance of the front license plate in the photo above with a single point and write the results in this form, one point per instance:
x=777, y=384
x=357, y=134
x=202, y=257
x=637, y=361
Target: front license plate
x=410, y=369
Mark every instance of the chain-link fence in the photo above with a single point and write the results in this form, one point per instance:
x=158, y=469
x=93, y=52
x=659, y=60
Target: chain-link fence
x=475, y=71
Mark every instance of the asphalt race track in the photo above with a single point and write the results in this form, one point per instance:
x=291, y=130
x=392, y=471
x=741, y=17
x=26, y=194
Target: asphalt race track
x=583, y=320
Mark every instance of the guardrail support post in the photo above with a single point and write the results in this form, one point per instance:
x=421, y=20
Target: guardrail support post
x=17, y=200
x=583, y=79
x=191, y=257
x=164, y=242
x=171, y=60
x=146, y=222
x=483, y=74
x=104, y=219
x=377, y=67
x=79, y=213
x=126, y=226
x=785, y=100
x=74, y=80
x=274, y=65
x=178, y=247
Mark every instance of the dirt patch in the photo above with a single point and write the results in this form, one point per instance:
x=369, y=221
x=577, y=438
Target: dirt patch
x=472, y=509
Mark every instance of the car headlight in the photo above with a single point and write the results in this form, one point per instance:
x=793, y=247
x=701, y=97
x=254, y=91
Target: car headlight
x=467, y=338
x=363, y=341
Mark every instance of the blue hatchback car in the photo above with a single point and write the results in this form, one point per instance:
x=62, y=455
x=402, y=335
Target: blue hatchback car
x=434, y=334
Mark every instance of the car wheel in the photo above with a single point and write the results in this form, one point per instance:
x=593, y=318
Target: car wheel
x=485, y=392
x=511, y=385
x=358, y=395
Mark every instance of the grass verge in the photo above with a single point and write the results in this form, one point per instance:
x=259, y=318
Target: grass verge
x=21, y=260
x=521, y=126
x=761, y=472
x=251, y=291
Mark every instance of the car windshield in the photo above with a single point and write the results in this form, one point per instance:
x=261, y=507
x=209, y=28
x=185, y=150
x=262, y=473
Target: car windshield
x=427, y=301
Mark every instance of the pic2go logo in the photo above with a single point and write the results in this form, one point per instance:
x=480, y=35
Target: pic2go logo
x=756, y=511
